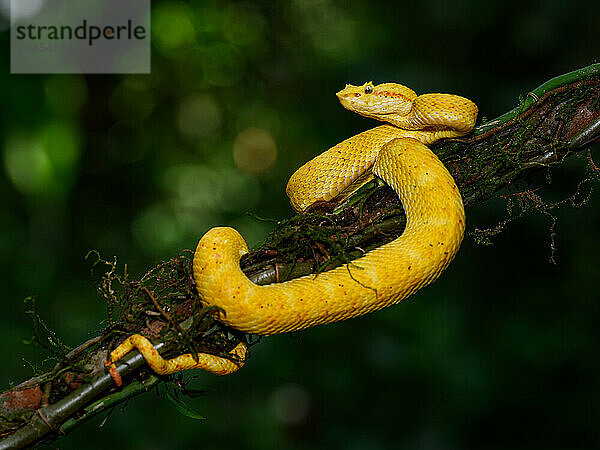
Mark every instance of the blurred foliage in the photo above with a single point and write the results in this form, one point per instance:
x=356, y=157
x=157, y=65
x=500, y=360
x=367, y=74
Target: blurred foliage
x=498, y=353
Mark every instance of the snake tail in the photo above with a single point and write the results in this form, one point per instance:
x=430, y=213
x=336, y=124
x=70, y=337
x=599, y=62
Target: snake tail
x=211, y=363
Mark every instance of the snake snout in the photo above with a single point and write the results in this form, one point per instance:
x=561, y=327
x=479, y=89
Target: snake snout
x=347, y=99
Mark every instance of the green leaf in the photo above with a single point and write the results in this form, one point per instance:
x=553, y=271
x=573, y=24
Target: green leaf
x=183, y=408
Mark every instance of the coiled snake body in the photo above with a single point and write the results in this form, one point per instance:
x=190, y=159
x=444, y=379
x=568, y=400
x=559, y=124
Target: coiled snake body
x=395, y=152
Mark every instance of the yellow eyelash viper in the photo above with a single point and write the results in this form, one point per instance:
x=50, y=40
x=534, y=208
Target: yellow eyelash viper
x=397, y=153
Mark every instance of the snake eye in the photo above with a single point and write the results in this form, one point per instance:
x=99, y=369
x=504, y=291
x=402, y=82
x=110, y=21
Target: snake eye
x=368, y=89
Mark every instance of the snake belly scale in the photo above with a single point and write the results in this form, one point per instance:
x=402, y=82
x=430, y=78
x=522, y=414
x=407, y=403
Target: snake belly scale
x=396, y=152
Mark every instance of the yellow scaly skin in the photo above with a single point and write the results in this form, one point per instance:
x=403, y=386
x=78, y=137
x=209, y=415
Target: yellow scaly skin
x=398, y=154
x=211, y=363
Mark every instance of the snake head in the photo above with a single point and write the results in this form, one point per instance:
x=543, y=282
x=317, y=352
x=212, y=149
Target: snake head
x=379, y=101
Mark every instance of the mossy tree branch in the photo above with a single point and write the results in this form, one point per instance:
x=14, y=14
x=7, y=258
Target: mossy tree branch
x=552, y=122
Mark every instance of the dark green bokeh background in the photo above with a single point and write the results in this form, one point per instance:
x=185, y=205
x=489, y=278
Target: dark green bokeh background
x=500, y=353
